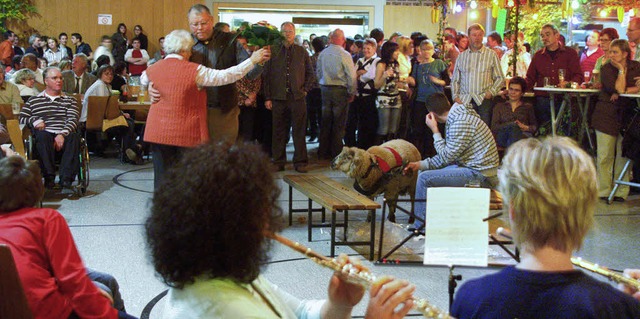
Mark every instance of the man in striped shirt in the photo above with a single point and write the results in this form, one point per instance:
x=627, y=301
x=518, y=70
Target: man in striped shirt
x=477, y=75
x=467, y=154
x=53, y=118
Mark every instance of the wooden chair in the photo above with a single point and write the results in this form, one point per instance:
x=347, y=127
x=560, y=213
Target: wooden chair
x=13, y=301
x=99, y=108
x=13, y=127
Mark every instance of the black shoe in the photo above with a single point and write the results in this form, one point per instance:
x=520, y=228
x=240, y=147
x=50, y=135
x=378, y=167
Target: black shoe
x=301, y=168
x=49, y=183
x=618, y=199
x=312, y=138
x=65, y=184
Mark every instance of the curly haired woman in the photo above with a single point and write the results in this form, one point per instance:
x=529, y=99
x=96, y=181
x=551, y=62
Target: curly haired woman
x=207, y=195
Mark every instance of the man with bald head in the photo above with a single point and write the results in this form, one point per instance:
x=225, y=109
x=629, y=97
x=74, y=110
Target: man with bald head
x=337, y=77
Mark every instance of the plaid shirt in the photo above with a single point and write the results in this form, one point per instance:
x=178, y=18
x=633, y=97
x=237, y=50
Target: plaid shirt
x=476, y=73
x=468, y=143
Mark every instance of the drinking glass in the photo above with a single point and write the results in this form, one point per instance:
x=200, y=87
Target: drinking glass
x=561, y=75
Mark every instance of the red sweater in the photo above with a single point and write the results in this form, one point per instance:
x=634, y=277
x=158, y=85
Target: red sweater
x=180, y=118
x=52, y=274
x=136, y=69
x=588, y=62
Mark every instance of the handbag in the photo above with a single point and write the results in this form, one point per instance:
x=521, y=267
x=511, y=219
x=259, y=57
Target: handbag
x=115, y=122
x=118, y=121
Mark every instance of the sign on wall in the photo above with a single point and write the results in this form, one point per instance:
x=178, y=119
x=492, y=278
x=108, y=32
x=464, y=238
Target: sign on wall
x=105, y=19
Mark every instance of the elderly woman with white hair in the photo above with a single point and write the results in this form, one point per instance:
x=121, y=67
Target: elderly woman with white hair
x=179, y=120
x=25, y=80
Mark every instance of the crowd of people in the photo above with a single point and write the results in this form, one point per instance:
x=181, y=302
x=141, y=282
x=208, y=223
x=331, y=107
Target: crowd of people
x=206, y=87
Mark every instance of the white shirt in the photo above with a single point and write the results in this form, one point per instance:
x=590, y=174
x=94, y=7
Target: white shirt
x=98, y=88
x=223, y=298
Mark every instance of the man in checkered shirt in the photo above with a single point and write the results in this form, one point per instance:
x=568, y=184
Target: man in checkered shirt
x=467, y=153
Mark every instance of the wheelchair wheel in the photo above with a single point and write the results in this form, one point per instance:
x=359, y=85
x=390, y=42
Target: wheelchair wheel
x=83, y=172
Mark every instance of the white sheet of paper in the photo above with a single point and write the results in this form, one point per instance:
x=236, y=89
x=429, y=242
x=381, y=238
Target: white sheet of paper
x=455, y=233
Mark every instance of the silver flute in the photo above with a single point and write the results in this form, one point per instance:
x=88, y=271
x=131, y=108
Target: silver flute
x=356, y=274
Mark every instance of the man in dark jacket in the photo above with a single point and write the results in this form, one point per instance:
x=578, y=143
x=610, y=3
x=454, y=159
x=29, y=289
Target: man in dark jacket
x=287, y=78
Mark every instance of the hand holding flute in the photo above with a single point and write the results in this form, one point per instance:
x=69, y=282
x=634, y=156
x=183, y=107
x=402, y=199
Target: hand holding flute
x=635, y=274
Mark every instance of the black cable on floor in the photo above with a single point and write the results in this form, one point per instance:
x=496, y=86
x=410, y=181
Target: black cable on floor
x=117, y=181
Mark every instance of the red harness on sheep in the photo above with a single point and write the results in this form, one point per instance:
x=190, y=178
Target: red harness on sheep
x=384, y=166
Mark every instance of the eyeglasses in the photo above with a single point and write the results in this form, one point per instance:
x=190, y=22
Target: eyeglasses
x=195, y=25
x=55, y=78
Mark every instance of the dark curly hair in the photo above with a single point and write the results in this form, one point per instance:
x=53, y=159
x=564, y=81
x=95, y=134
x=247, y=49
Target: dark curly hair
x=20, y=184
x=209, y=215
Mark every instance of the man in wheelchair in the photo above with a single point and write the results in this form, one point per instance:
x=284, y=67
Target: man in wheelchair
x=53, y=119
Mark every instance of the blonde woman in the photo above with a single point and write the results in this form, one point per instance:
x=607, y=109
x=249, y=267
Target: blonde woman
x=550, y=192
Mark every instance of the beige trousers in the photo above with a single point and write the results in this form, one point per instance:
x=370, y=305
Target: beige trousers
x=223, y=125
x=609, y=164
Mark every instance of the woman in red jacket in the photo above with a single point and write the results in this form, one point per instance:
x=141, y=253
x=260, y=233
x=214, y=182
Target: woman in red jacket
x=56, y=283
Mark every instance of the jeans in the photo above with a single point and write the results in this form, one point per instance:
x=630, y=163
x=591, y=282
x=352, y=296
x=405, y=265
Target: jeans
x=485, y=110
x=509, y=134
x=388, y=120
x=109, y=284
x=450, y=176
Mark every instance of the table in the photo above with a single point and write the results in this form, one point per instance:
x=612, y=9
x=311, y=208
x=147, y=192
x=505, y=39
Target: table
x=568, y=93
x=627, y=165
x=135, y=106
x=334, y=197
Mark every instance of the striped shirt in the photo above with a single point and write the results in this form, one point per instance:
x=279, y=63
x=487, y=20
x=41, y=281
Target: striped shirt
x=335, y=68
x=468, y=143
x=59, y=113
x=53, y=58
x=476, y=73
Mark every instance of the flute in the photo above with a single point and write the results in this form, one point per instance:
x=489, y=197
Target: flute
x=613, y=276
x=355, y=274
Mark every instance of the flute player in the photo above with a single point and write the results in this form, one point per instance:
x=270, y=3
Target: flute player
x=206, y=233
x=549, y=188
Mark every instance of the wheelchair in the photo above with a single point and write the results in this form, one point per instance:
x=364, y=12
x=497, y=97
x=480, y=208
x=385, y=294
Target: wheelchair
x=83, y=169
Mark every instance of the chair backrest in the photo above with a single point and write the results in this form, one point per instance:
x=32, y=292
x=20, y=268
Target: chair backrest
x=6, y=109
x=113, y=108
x=95, y=112
x=13, y=302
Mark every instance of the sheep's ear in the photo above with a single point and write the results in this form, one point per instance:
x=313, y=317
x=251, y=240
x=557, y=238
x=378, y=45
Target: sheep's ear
x=357, y=157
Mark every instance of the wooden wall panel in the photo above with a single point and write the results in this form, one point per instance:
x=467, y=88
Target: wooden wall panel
x=157, y=18
x=407, y=19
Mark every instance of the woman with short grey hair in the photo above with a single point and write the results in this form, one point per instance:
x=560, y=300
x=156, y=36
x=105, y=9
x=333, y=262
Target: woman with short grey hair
x=25, y=80
x=179, y=119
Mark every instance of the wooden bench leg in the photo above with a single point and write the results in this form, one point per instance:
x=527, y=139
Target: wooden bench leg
x=310, y=218
x=346, y=224
x=373, y=233
x=290, y=205
x=381, y=239
x=333, y=233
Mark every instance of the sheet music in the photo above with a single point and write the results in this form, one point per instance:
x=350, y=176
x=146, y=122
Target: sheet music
x=455, y=233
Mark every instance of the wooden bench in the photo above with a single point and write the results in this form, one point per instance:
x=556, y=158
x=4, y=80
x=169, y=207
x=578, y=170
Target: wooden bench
x=334, y=197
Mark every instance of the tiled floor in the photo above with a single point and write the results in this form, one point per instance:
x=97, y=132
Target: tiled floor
x=107, y=225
